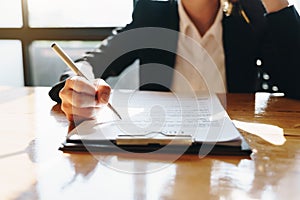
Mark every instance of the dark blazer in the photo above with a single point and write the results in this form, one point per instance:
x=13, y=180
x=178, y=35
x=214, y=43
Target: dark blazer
x=273, y=38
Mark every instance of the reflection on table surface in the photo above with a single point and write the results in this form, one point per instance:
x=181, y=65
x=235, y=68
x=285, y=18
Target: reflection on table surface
x=32, y=167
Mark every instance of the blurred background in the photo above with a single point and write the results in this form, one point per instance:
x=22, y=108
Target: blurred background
x=28, y=27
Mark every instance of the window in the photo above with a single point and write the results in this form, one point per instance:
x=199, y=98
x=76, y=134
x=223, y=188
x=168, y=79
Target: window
x=79, y=13
x=44, y=61
x=28, y=27
x=11, y=68
x=10, y=14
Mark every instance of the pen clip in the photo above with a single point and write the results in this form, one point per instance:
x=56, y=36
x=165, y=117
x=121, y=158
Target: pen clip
x=159, y=138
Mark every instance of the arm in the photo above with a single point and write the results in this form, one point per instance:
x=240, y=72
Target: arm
x=103, y=61
x=82, y=100
x=282, y=48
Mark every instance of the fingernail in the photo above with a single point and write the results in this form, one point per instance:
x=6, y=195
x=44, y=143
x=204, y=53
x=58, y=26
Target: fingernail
x=104, y=98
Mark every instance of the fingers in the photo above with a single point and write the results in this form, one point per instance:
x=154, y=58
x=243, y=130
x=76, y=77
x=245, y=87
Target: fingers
x=79, y=113
x=80, y=85
x=81, y=99
x=77, y=99
x=102, y=91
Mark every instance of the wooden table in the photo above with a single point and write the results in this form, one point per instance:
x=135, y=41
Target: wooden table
x=32, y=167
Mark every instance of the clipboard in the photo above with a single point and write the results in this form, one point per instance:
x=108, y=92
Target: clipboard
x=150, y=146
x=165, y=135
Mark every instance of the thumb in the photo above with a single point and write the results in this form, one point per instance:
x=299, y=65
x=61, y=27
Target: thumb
x=102, y=91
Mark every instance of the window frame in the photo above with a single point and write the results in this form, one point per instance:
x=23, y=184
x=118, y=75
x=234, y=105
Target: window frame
x=27, y=35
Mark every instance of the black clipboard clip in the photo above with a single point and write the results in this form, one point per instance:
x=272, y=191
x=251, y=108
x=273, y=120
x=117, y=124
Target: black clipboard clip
x=154, y=138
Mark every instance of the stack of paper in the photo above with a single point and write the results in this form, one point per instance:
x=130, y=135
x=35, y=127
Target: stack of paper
x=158, y=119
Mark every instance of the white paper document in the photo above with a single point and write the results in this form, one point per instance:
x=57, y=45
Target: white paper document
x=150, y=114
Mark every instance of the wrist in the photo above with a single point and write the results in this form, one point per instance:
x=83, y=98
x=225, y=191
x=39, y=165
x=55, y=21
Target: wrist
x=275, y=5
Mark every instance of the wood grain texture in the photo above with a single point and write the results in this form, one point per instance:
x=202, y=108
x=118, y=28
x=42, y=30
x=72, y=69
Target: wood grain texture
x=31, y=167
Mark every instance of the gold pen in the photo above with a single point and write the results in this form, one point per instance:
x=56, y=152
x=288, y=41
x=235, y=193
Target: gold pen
x=73, y=67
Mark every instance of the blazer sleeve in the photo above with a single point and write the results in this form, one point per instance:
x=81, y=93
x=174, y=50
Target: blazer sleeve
x=109, y=58
x=282, y=50
x=117, y=52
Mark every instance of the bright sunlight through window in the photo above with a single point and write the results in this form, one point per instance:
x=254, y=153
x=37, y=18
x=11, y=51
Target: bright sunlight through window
x=79, y=13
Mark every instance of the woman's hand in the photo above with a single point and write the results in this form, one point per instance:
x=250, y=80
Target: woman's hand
x=82, y=99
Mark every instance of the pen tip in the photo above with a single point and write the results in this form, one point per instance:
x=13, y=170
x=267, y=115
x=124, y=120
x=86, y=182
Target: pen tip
x=52, y=45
